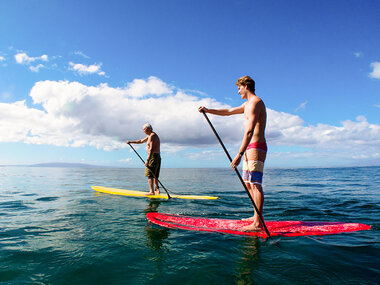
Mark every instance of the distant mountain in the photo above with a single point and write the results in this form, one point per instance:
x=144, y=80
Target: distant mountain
x=64, y=164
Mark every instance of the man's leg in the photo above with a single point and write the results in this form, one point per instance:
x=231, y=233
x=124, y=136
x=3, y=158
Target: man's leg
x=157, y=191
x=254, y=165
x=258, y=197
x=151, y=189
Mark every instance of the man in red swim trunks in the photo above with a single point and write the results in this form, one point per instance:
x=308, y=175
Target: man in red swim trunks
x=253, y=146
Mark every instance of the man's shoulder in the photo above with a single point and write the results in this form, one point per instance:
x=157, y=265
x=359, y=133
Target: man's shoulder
x=153, y=135
x=253, y=101
x=258, y=101
x=254, y=104
x=256, y=98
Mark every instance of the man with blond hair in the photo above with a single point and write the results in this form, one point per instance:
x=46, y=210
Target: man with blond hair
x=153, y=162
x=253, y=147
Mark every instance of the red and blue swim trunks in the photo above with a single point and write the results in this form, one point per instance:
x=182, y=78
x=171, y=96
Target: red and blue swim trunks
x=253, y=163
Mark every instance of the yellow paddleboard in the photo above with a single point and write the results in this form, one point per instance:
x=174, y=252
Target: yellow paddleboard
x=124, y=192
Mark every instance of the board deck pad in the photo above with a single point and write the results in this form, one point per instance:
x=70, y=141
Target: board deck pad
x=275, y=228
x=124, y=192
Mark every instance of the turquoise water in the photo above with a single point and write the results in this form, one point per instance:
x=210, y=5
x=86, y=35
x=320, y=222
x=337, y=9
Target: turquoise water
x=55, y=230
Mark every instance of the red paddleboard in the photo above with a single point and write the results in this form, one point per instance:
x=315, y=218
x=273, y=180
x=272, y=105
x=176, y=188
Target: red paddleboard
x=275, y=228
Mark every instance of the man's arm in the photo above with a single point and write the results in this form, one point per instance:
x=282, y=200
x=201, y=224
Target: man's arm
x=138, y=141
x=223, y=112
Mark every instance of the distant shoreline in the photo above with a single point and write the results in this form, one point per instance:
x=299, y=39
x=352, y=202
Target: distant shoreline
x=58, y=164
x=83, y=165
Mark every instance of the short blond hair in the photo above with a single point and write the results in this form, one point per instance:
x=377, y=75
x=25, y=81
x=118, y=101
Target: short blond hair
x=247, y=81
x=147, y=126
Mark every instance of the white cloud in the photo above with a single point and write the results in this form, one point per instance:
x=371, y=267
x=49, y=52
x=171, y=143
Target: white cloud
x=81, y=54
x=82, y=69
x=36, y=68
x=28, y=125
x=358, y=54
x=2, y=58
x=126, y=160
x=302, y=106
x=153, y=86
x=205, y=155
x=23, y=58
x=376, y=70
x=76, y=115
x=110, y=115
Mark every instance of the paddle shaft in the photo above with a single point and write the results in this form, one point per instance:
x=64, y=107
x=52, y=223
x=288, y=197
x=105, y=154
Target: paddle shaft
x=237, y=173
x=150, y=171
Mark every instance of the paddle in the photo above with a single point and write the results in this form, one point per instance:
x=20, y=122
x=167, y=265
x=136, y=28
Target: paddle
x=150, y=170
x=238, y=173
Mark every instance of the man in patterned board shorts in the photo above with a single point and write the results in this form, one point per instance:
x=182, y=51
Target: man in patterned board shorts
x=253, y=146
x=153, y=163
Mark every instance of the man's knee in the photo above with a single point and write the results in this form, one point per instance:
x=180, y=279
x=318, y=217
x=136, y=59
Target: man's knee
x=257, y=187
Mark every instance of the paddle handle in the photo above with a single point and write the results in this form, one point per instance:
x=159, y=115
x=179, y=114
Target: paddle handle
x=237, y=173
x=150, y=171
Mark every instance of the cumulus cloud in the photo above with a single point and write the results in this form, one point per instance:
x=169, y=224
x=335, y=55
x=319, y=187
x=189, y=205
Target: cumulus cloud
x=23, y=58
x=2, y=58
x=19, y=123
x=82, y=69
x=73, y=114
x=153, y=86
x=350, y=135
x=103, y=112
x=376, y=70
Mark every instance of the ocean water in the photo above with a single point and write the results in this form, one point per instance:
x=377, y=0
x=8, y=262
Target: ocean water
x=54, y=229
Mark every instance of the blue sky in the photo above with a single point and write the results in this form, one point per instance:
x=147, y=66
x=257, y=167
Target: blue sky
x=77, y=78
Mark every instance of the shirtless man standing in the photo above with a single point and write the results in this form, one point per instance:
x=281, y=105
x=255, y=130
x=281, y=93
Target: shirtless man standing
x=253, y=146
x=153, y=162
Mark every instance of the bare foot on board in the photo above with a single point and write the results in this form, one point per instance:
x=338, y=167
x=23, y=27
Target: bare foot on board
x=251, y=228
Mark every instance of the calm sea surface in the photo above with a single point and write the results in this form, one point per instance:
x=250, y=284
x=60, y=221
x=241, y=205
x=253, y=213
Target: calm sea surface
x=54, y=229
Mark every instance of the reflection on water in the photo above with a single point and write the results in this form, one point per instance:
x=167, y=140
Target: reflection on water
x=155, y=235
x=155, y=239
x=249, y=257
x=152, y=205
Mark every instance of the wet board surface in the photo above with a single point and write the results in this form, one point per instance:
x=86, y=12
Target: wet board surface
x=275, y=228
x=124, y=192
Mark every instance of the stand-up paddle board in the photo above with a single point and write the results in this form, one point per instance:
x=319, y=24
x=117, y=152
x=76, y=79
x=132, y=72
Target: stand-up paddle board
x=124, y=192
x=275, y=228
